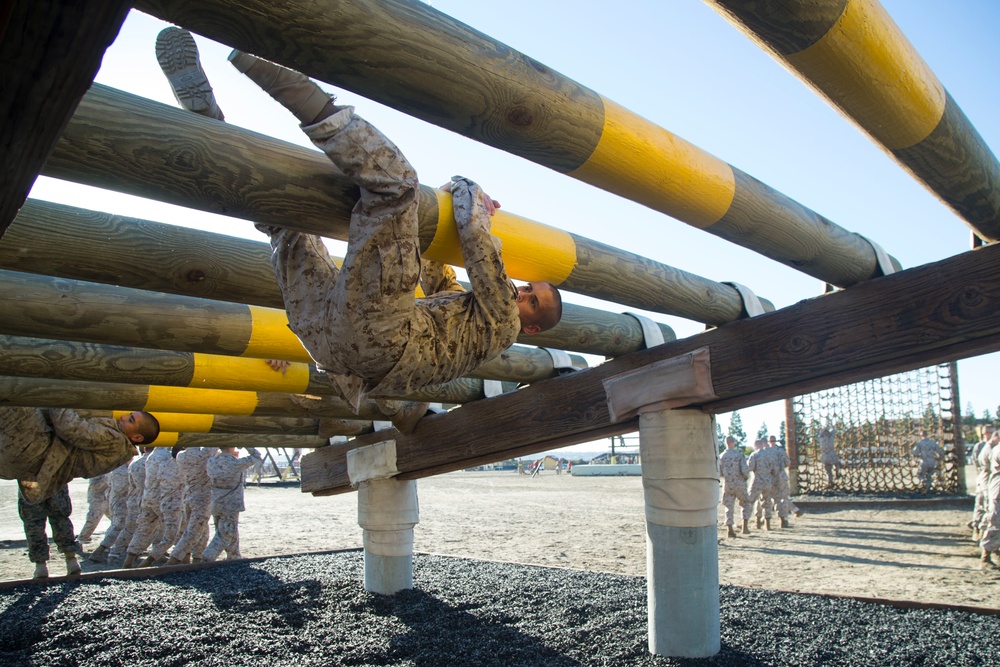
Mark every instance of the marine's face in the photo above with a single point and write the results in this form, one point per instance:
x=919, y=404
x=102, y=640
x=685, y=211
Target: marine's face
x=130, y=425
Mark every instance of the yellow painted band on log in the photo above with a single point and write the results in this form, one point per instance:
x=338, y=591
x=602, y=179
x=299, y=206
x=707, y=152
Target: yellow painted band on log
x=647, y=164
x=201, y=401
x=532, y=251
x=867, y=67
x=180, y=421
x=216, y=371
x=270, y=337
x=165, y=439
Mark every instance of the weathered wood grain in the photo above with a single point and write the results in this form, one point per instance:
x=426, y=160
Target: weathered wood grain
x=50, y=51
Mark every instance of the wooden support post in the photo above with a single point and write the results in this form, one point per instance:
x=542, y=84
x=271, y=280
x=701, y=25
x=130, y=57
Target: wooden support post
x=387, y=513
x=855, y=55
x=792, y=447
x=414, y=58
x=50, y=51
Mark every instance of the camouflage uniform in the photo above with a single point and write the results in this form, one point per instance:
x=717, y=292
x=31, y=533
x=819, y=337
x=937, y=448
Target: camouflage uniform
x=197, y=501
x=118, y=495
x=136, y=488
x=171, y=488
x=228, y=475
x=982, y=463
x=735, y=471
x=57, y=510
x=783, y=490
x=929, y=454
x=150, y=517
x=764, y=489
x=991, y=534
x=361, y=322
x=45, y=449
x=828, y=455
x=97, y=505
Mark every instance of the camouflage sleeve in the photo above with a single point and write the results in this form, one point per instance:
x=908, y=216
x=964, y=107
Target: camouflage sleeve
x=82, y=433
x=436, y=278
x=744, y=468
x=494, y=292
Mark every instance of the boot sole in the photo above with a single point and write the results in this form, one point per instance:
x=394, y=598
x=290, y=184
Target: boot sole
x=177, y=54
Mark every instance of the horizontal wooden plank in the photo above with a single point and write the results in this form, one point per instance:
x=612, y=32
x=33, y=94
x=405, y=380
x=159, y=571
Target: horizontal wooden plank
x=937, y=312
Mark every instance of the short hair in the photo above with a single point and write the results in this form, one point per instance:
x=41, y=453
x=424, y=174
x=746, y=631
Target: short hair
x=550, y=318
x=148, y=428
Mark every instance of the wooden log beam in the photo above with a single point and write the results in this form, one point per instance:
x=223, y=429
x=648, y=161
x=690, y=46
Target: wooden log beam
x=942, y=311
x=258, y=440
x=68, y=310
x=100, y=247
x=50, y=51
x=47, y=393
x=236, y=424
x=72, y=360
x=854, y=55
x=412, y=57
x=122, y=142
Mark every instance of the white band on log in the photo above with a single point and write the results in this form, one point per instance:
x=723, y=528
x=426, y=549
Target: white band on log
x=651, y=332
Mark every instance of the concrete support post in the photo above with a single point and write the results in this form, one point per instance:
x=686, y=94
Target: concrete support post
x=680, y=476
x=387, y=511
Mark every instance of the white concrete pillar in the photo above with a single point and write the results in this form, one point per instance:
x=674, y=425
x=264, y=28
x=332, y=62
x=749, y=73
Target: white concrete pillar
x=387, y=511
x=680, y=478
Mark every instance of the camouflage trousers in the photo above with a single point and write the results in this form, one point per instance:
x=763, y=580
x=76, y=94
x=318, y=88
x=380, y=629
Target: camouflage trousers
x=97, y=509
x=147, y=527
x=195, y=537
x=56, y=510
x=927, y=474
x=730, y=494
x=172, y=516
x=765, y=496
x=118, y=509
x=132, y=513
x=226, y=538
x=991, y=526
x=980, y=513
x=355, y=320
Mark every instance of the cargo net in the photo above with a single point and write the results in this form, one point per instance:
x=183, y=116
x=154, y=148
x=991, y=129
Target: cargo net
x=874, y=426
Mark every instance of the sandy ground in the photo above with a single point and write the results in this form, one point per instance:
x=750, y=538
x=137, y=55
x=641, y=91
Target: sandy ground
x=596, y=524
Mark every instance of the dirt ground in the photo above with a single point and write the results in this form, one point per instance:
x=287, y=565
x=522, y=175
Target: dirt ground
x=596, y=523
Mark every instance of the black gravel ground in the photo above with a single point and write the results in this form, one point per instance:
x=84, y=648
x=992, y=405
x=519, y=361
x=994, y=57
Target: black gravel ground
x=313, y=610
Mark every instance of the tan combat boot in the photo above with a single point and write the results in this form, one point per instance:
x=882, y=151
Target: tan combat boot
x=130, y=559
x=746, y=526
x=72, y=565
x=293, y=90
x=731, y=533
x=41, y=571
x=100, y=555
x=178, y=57
x=784, y=522
x=767, y=524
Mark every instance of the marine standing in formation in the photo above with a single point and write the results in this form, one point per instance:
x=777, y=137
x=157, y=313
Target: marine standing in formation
x=734, y=471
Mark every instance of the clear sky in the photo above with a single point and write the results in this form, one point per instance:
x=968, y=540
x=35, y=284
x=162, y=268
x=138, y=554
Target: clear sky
x=684, y=67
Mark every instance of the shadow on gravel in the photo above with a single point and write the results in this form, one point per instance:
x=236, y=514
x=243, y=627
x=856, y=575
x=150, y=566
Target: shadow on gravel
x=23, y=620
x=471, y=635
x=256, y=592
